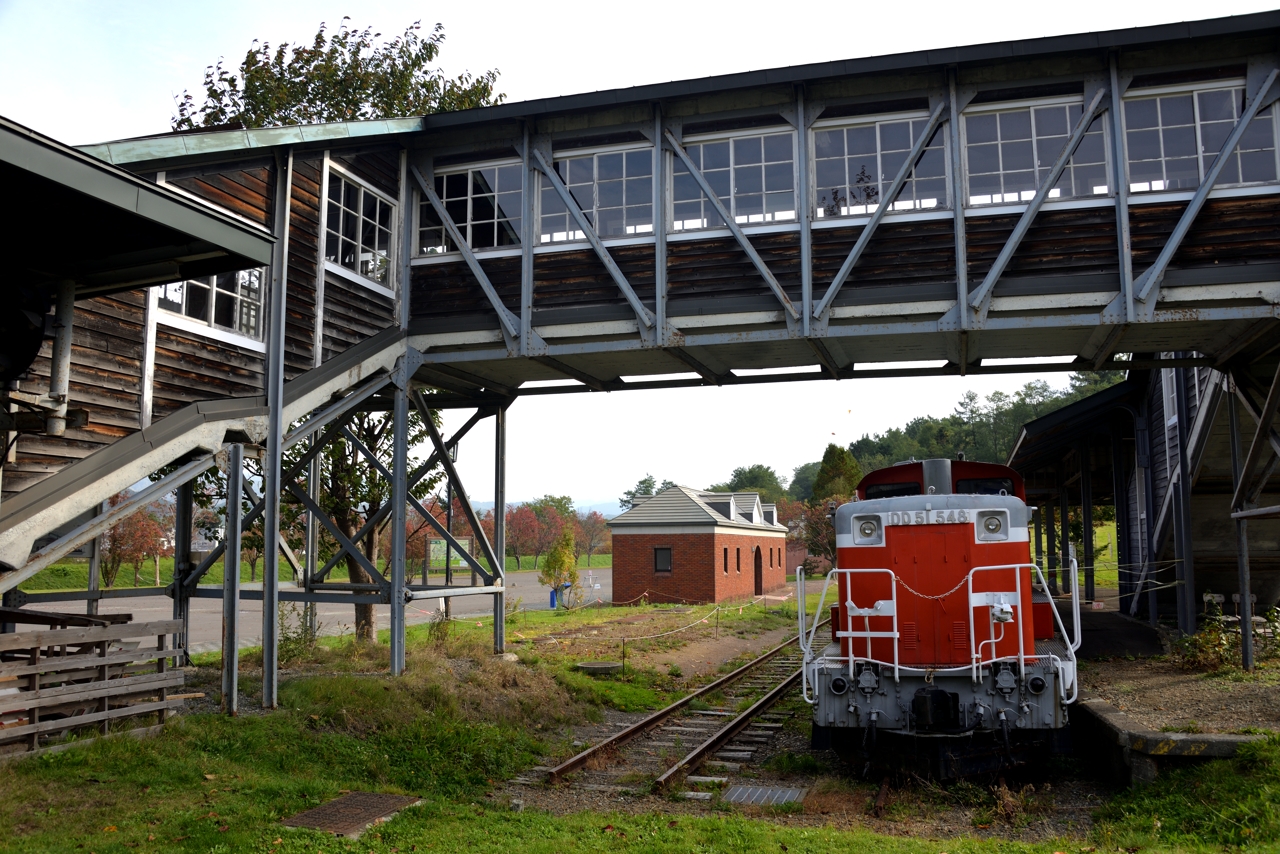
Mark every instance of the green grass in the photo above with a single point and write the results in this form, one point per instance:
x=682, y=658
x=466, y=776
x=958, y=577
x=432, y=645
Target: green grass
x=1224, y=803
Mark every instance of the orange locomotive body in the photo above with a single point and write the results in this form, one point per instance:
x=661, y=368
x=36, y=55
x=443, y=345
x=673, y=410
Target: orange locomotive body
x=946, y=653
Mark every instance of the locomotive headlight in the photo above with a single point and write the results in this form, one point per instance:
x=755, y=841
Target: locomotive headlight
x=992, y=525
x=839, y=685
x=1037, y=684
x=867, y=531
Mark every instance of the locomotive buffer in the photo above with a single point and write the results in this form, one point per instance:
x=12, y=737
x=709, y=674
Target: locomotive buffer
x=946, y=655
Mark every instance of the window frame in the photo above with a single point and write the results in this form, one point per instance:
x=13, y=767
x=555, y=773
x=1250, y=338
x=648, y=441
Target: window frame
x=388, y=289
x=1031, y=104
x=544, y=183
x=669, y=169
x=207, y=326
x=874, y=120
x=1194, y=90
x=464, y=227
x=671, y=560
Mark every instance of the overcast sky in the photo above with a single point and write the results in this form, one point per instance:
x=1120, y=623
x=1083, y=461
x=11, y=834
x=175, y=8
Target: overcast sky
x=93, y=71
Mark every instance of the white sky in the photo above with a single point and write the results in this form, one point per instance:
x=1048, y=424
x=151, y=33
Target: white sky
x=91, y=71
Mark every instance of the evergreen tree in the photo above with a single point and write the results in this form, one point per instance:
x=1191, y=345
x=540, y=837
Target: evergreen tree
x=838, y=474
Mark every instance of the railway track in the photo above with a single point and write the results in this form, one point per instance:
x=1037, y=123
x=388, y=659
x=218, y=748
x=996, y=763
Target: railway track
x=721, y=727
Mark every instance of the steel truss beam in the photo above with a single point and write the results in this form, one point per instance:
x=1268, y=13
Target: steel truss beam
x=1261, y=439
x=710, y=194
x=508, y=322
x=643, y=314
x=936, y=118
x=980, y=299
x=1149, y=282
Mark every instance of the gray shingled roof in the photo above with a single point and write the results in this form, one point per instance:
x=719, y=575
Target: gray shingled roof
x=681, y=505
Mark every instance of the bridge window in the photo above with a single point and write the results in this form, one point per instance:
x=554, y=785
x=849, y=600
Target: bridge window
x=753, y=176
x=614, y=189
x=1010, y=152
x=231, y=301
x=484, y=203
x=855, y=167
x=358, y=229
x=1173, y=139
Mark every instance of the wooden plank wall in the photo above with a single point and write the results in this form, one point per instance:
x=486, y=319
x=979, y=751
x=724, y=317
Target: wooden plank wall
x=191, y=367
x=304, y=258
x=106, y=380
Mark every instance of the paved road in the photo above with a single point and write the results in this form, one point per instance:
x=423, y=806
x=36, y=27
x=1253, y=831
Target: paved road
x=206, y=614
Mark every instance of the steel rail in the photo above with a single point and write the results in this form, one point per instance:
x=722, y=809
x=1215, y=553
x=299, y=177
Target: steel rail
x=557, y=774
x=695, y=757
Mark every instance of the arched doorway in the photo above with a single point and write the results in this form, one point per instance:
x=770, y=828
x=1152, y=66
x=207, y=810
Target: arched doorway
x=759, y=572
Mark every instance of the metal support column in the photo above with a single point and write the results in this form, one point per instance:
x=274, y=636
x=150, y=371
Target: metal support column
x=60, y=365
x=806, y=214
x=659, y=237
x=95, y=575
x=399, y=499
x=1051, y=531
x=183, y=517
x=499, y=571
x=1037, y=515
x=231, y=583
x=1120, y=493
x=1086, y=517
x=272, y=481
x=955, y=174
x=1064, y=530
x=313, y=540
x=1120, y=175
x=1242, y=547
x=1187, y=589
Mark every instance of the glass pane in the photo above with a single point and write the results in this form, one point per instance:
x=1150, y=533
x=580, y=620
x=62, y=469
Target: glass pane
x=984, y=185
x=347, y=257
x=1258, y=134
x=608, y=166
x=455, y=185
x=551, y=203
x=1230, y=173
x=747, y=179
x=932, y=164
x=1146, y=171
x=1141, y=114
x=831, y=200
x=1015, y=125
x=580, y=171
x=331, y=242
x=610, y=222
x=1051, y=121
x=984, y=158
x=890, y=163
x=780, y=206
x=778, y=176
x=864, y=186
x=1145, y=145
x=583, y=195
x=1091, y=180
x=482, y=208
x=224, y=310
x=687, y=215
x=1257, y=166
x=830, y=173
x=509, y=231
x=639, y=190
x=171, y=296
x=509, y=180
x=777, y=148
x=749, y=206
x=350, y=224
x=1212, y=136
x=335, y=188
x=861, y=140
x=227, y=282
x=640, y=218
x=684, y=188
x=828, y=143
x=931, y=193
x=719, y=181
x=431, y=241
x=639, y=163
x=609, y=193
x=895, y=135
x=1091, y=150
x=1178, y=141
x=980, y=128
x=746, y=151
x=197, y=301
x=457, y=210
x=1018, y=182
x=370, y=207
x=484, y=181
x=1181, y=174
x=508, y=203
x=384, y=214
x=1218, y=106
x=715, y=155
x=439, y=185
x=350, y=196
x=483, y=235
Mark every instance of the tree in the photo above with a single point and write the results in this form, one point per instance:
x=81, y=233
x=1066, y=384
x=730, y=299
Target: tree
x=559, y=568
x=817, y=531
x=554, y=513
x=802, y=478
x=755, y=478
x=595, y=534
x=348, y=76
x=522, y=532
x=838, y=474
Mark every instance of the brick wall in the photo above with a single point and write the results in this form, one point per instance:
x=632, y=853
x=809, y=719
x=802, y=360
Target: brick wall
x=697, y=567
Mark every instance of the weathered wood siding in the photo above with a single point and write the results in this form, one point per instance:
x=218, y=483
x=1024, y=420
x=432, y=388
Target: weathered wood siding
x=191, y=367
x=244, y=189
x=352, y=313
x=304, y=258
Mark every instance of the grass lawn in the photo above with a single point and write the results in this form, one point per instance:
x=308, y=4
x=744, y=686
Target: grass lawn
x=462, y=720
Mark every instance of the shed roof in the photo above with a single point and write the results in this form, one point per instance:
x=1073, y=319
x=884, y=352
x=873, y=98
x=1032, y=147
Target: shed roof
x=682, y=505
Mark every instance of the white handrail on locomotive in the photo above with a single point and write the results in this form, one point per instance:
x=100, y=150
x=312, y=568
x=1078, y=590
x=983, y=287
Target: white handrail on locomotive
x=1067, y=671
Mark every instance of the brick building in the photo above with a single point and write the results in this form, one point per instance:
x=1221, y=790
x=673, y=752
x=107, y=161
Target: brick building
x=689, y=545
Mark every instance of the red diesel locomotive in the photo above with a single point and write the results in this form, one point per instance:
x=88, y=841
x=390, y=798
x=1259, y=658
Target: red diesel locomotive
x=947, y=656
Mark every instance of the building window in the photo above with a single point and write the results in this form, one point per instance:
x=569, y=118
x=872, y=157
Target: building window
x=1173, y=139
x=358, y=229
x=726, y=560
x=1010, y=152
x=738, y=559
x=753, y=176
x=771, y=557
x=231, y=301
x=662, y=559
x=613, y=189
x=484, y=204
x=855, y=167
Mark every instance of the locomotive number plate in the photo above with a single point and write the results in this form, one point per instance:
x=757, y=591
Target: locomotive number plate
x=928, y=517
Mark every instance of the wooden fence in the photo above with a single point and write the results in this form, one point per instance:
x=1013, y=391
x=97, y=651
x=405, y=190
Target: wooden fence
x=75, y=679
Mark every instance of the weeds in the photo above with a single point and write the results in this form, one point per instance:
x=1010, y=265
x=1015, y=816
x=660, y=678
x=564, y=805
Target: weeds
x=792, y=764
x=1216, y=646
x=297, y=635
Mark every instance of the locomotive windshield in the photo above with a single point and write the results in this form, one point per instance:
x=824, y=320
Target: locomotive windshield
x=983, y=486
x=892, y=490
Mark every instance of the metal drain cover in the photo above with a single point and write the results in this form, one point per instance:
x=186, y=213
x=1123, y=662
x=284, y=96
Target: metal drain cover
x=351, y=814
x=763, y=795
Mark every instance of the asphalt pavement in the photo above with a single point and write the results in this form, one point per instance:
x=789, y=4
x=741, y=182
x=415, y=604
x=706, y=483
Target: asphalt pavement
x=334, y=619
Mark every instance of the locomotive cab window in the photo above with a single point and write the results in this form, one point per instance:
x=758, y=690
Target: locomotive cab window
x=892, y=490
x=662, y=559
x=984, y=486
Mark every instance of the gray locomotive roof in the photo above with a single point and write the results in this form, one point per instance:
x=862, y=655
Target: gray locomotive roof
x=167, y=146
x=681, y=505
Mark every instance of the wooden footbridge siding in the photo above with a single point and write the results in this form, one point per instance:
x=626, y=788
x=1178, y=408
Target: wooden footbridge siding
x=627, y=310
